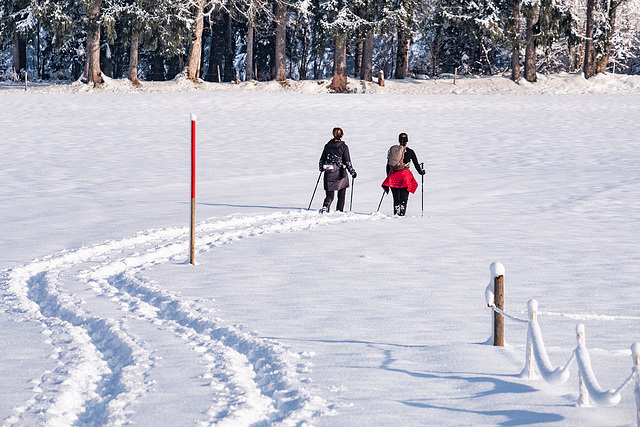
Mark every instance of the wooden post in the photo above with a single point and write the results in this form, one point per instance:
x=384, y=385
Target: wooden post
x=455, y=75
x=381, y=78
x=498, y=320
x=192, y=245
x=219, y=78
x=25, y=80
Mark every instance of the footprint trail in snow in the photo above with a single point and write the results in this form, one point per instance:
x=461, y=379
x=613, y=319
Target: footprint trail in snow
x=121, y=342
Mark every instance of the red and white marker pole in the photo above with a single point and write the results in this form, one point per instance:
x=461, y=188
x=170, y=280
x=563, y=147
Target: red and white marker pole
x=193, y=191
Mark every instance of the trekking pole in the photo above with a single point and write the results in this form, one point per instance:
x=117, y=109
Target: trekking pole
x=381, y=198
x=353, y=180
x=314, y=190
x=422, y=167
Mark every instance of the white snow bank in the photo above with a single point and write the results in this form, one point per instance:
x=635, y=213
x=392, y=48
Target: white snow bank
x=556, y=84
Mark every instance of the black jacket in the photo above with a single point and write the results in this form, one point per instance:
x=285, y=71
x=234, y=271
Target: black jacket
x=409, y=156
x=334, y=160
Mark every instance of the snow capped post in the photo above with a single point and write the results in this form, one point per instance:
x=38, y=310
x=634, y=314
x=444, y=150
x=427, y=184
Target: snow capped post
x=583, y=396
x=529, y=365
x=192, y=245
x=495, y=298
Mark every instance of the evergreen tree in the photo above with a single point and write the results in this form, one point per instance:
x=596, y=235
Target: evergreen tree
x=402, y=15
x=464, y=34
x=340, y=21
x=279, y=61
x=17, y=26
x=605, y=33
x=625, y=45
x=153, y=37
x=63, y=38
x=320, y=37
x=531, y=10
x=556, y=22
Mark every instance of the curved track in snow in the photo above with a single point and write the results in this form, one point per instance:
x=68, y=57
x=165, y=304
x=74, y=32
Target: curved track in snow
x=106, y=324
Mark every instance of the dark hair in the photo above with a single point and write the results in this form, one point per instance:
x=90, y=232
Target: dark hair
x=403, y=138
x=337, y=133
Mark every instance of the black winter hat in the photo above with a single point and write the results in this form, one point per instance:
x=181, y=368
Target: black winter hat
x=403, y=138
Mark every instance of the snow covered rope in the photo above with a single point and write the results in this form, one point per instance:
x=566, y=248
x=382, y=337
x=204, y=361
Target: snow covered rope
x=537, y=352
x=589, y=386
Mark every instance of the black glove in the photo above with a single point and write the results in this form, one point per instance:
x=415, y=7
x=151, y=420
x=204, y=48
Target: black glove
x=422, y=172
x=354, y=175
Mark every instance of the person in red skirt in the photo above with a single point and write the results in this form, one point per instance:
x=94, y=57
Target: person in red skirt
x=399, y=176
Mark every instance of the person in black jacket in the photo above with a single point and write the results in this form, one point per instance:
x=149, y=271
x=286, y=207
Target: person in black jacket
x=402, y=182
x=335, y=161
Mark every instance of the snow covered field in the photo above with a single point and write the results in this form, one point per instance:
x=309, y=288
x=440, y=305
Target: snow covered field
x=291, y=317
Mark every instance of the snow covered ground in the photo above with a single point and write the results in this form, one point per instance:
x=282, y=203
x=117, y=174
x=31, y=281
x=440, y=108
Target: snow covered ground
x=291, y=317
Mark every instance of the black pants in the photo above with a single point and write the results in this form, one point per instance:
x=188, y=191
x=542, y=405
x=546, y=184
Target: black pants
x=400, y=198
x=341, y=197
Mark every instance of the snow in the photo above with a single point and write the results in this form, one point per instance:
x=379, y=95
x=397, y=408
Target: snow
x=291, y=317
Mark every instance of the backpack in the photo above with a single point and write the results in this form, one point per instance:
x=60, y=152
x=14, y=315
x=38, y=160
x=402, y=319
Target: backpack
x=332, y=163
x=395, y=158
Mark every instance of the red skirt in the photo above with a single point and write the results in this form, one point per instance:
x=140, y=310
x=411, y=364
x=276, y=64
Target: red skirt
x=401, y=179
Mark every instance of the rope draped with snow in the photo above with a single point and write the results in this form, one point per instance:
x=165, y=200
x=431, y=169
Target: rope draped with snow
x=538, y=352
x=508, y=316
x=589, y=386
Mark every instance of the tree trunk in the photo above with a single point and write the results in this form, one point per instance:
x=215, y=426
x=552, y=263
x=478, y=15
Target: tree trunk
x=19, y=54
x=195, y=53
x=217, y=47
x=38, y=52
x=248, y=61
x=280, y=64
x=92, y=66
x=305, y=51
x=589, y=67
x=402, y=55
x=367, y=59
x=434, y=50
x=604, y=60
x=530, y=50
x=358, y=58
x=133, y=59
x=515, y=52
x=317, y=72
x=229, y=51
x=339, y=81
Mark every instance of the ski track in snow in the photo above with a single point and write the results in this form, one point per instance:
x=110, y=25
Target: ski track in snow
x=89, y=299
